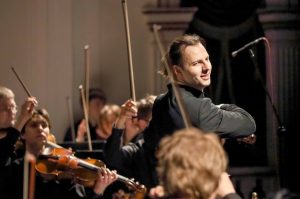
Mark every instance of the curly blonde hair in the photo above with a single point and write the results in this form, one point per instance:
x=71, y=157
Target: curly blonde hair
x=190, y=164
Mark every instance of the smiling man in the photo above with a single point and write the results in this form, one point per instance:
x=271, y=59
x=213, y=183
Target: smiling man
x=191, y=68
x=189, y=63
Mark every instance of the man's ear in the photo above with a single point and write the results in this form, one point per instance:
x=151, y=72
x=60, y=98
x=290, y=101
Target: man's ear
x=177, y=70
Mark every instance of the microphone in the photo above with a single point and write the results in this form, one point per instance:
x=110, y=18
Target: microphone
x=234, y=53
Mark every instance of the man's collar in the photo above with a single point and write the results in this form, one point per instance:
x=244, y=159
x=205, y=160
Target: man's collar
x=194, y=91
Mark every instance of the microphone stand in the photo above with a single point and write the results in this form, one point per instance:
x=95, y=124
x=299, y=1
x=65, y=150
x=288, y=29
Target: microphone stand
x=281, y=130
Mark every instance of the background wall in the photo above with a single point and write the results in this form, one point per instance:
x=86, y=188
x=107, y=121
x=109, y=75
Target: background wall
x=44, y=41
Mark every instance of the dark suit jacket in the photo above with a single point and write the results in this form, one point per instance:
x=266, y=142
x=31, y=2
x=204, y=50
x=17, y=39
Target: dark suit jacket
x=138, y=160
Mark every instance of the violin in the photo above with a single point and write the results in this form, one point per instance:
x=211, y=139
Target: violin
x=60, y=163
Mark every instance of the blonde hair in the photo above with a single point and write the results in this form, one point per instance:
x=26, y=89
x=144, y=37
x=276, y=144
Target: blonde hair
x=190, y=163
x=108, y=112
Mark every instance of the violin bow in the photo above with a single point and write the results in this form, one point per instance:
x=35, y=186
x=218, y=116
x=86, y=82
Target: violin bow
x=71, y=118
x=87, y=75
x=178, y=96
x=29, y=160
x=132, y=87
x=23, y=85
x=84, y=105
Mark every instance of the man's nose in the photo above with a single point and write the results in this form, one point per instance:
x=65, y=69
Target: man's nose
x=206, y=66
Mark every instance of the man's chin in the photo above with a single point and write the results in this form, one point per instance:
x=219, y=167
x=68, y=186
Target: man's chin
x=205, y=83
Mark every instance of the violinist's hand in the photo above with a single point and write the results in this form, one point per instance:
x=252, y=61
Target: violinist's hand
x=157, y=192
x=27, y=110
x=225, y=186
x=251, y=139
x=81, y=131
x=128, y=110
x=105, y=178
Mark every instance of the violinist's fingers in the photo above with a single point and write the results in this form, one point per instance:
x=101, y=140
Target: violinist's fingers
x=129, y=108
x=103, y=175
x=156, y=192
x=130, y=103
x=106, y=176
x=81, y=131
x=104, y=179
x=109, y=172
x=30, y=104
x=82, y=123
x=114, y=174
x=251, y=139
x=27, y=110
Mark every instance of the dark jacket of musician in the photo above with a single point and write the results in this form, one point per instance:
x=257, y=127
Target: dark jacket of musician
x=138, y=160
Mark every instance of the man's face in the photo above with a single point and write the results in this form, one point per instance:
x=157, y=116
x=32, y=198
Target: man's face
x=196, y=67
x=8, y=111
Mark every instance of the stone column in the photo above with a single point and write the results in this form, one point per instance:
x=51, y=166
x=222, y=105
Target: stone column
x=281, y=21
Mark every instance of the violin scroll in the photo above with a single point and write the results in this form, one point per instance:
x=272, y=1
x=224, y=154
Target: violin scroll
x=135, y=186
x=139, y=190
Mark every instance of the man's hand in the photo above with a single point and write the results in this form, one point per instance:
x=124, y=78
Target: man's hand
x=81, y=131
x=128, y=110
x=251, y=139
x=157, y=192
x=225, y=186
x=27, y=110
x=105, y=178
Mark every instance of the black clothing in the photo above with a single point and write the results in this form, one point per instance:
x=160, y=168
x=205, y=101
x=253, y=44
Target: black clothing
x=7, y=145
x=232, y=196
x=68, y=135
x=228, y=121
x=138, y=160
x=7, y=156
x=223, y=13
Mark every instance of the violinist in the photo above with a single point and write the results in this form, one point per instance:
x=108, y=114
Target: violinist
x=8, y=125
x=34, y=136
x=133, y=119
x=134, y=126
x=97, y=100
x=108, y=116
x=9, y=131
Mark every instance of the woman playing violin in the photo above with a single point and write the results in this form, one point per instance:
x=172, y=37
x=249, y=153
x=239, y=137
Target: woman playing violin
x=34, y=136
